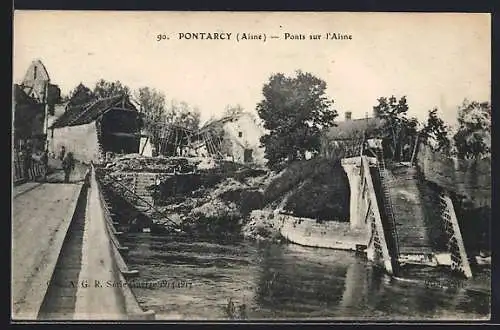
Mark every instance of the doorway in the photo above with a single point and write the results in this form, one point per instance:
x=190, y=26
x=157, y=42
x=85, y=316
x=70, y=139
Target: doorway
x=247, y=156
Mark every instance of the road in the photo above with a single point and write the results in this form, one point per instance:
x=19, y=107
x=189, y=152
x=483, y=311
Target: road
x=41, y=216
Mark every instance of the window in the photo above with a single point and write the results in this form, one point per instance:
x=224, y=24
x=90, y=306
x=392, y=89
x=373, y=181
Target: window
x=240, y=134
x=34, y=71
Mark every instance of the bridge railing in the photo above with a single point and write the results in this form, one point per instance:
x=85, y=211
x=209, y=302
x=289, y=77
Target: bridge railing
x=370, y=213
x=134, y=310
x=132, y=196
x=459, y=259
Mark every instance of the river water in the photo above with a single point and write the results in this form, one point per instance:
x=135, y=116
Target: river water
x=182, y=278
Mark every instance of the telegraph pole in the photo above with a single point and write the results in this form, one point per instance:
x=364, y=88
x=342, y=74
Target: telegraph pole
x=46, y=118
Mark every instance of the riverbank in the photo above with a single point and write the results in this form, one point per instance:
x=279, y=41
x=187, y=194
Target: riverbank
x=218, y=200
x=275, y=226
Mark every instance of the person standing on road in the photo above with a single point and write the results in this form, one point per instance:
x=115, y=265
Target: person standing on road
x=27, y=154
x=45, y=163
x=68, y=164
x=63, y=152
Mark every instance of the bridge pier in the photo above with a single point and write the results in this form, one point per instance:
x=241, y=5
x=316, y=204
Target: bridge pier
x=352, y=168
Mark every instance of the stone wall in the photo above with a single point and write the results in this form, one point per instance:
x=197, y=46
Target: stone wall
x=328, y=234
x=469, y=178
x=80, y=140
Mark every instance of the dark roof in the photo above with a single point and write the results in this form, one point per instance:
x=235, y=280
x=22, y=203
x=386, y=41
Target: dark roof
x=355, y=128
x=223, y=120
x=86, y=113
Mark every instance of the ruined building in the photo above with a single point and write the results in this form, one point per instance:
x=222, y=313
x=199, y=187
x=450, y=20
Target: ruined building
x=235, y=138
x=93, y=129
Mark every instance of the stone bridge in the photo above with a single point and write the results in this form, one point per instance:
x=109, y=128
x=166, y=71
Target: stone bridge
x=407, y=222
x=67, y=260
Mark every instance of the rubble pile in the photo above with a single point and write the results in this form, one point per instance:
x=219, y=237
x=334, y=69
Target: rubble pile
x=262, y=226
x=214, y=199
x=138, y=163
x=216, y=208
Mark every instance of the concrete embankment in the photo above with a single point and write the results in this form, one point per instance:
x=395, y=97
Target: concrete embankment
x=303, y=231
x=97, y=295
x=107, y=295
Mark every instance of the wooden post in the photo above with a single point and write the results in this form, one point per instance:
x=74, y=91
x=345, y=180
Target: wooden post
x=144, y=146
x=175, y=143
x=46, y=118
x=414, y=151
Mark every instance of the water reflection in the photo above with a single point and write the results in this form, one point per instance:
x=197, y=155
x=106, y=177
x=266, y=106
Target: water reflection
x=289, y=281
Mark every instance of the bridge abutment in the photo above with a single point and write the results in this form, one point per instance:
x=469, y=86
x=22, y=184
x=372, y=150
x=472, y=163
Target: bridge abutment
x=352, y=168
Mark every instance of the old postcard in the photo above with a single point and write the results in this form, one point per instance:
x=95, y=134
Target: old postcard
x=251, y=166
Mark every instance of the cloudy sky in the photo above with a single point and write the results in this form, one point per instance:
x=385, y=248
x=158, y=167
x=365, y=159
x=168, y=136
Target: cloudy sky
x=436, y=60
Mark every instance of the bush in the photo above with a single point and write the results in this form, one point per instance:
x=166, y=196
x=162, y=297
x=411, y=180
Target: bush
x=322, y=190
x=290, y=178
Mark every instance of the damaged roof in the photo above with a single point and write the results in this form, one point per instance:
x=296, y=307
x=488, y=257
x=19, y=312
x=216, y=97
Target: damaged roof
x=228, y=118
x=86, y=113
x=354, y=128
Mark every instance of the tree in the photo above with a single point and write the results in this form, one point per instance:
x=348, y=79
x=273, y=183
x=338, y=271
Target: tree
x=294, y=111
x=473, y=138
x=182, y=114
x=435, y=133
x=105, y=88
x=152, y=106
x=397, y=130
x=81, y=94
x=152, y=103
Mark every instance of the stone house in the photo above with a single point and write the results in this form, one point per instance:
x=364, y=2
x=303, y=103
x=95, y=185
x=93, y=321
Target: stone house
x=235, y=138
x=346, y=138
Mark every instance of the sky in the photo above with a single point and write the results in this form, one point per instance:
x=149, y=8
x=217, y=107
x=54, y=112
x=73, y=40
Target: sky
x=434, y=59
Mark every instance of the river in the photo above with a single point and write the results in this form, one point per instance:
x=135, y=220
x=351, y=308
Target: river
x=182, y=278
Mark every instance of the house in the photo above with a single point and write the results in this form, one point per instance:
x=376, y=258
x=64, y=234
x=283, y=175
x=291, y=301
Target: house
x=93, y=129
x=28, y=118
x=31, y=99
x=346, y=138
x=36, y=84
x=235, y=137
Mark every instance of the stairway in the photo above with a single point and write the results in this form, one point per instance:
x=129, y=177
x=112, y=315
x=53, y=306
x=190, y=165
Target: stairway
x=141, y=182
x=404, y=209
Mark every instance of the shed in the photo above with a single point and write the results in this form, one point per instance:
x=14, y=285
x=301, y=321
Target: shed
x=92, y=129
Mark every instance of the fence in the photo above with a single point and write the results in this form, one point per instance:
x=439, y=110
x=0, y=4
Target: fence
x=369, y=211
x=34, y=171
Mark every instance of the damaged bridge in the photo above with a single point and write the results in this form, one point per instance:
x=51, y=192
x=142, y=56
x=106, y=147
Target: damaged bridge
x=408, y=222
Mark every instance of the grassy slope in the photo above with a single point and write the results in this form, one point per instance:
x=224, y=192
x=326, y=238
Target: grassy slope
x=321, y=190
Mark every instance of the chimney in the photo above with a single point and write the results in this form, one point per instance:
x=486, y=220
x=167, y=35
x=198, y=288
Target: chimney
x=348, y=115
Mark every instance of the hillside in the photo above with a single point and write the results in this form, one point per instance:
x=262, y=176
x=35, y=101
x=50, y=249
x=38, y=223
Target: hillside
x=316, y=188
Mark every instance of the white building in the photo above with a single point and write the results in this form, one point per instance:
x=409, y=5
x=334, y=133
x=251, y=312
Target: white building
x=236, y=137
